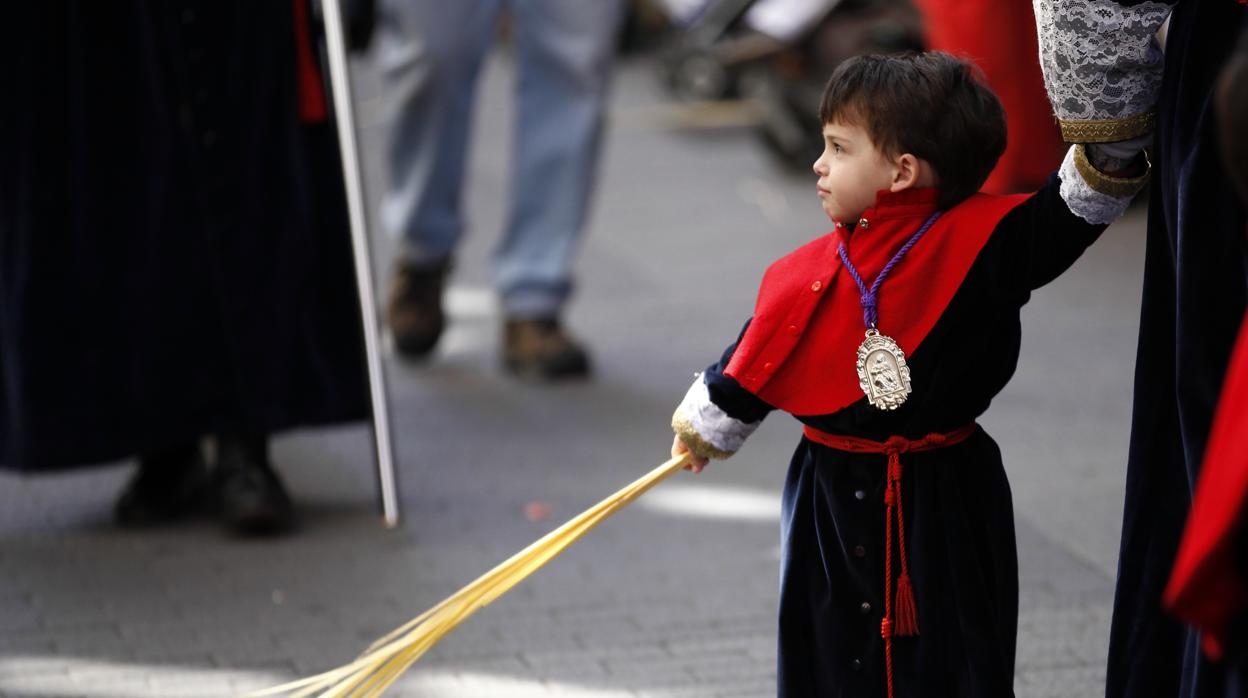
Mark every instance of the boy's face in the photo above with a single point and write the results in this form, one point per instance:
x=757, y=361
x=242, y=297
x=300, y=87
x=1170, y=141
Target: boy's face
x=851, y=170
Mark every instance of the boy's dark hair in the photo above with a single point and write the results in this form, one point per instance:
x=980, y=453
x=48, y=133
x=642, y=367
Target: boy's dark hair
x=931, y=105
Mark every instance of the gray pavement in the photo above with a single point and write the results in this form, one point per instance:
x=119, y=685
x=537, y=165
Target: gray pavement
x=673, y=597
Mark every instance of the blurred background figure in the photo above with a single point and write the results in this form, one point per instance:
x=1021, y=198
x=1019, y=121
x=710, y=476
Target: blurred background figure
x=174, y=256
x=430, y=54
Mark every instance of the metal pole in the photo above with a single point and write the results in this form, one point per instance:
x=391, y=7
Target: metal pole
x=340, y=83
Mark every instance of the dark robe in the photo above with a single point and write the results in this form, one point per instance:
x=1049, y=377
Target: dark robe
x=959, y=518
x=174, y=252
x=1209, y=586
x=1195, y=286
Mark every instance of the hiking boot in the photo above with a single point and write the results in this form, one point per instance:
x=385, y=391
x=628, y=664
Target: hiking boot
x=170, y=484
x=253, y=500
x=540, y=349
x=414, y=306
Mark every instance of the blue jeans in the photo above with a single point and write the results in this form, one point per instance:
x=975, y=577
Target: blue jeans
x=430, y=52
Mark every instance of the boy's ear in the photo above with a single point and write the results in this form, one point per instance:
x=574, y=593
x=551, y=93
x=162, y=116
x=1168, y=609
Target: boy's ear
x=906, y=172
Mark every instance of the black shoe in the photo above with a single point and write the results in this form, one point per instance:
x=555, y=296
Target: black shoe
x=414, y=307
x=170, y=484
x=253, y=501
x=540, y=349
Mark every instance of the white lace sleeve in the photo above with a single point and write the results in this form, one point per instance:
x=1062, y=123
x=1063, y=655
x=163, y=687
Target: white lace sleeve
x=706, y=429
x=1092, y=195
x=1102, y=66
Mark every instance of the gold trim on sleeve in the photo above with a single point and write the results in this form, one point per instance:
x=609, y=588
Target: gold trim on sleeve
x=690, y=436
x=1106, y=130
x=1119, y=187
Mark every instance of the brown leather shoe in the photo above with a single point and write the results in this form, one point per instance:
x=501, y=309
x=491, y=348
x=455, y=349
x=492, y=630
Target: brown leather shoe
x=414, y=307
x=540, y=349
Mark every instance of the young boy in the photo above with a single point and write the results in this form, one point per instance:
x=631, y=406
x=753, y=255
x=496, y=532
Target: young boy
x=887, y=338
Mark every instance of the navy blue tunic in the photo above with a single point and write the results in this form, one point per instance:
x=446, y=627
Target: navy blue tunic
x=958, y=509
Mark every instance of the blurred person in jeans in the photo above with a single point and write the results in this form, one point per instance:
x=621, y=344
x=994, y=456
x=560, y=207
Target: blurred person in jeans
x=174, y=253
x=431, y=53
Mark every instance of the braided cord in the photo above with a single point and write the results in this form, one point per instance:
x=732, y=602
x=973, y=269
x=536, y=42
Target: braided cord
x=870, y=312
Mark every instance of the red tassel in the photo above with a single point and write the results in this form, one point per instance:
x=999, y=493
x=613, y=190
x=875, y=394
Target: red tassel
x=907, y=618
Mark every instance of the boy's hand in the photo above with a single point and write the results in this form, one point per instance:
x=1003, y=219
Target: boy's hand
x=696, y=463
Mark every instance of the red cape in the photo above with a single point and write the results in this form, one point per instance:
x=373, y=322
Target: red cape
x=798, y=352
x=1206, y=588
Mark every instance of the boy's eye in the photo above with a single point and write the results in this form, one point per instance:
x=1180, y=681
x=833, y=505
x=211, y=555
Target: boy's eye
x=836, y=147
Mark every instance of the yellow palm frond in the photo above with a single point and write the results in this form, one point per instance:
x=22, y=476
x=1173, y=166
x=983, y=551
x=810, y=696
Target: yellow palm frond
x=384, y=661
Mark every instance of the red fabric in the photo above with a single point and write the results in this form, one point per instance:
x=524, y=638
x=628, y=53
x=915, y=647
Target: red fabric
x=900, y=617
x=1206, y=589
x=312, y=107
x=999, y=36
x=798, y=352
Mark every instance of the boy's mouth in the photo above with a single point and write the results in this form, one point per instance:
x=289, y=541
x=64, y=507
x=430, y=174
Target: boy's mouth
x=823, y=193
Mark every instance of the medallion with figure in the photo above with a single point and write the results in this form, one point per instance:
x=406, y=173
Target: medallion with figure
x=882, y=371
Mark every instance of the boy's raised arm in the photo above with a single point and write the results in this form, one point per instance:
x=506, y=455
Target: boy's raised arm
x=1043, y=236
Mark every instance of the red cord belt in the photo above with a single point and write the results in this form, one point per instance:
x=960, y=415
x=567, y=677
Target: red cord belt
x=905, y=622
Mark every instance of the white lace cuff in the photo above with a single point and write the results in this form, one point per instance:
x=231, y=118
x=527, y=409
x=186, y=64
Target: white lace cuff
x=706, y=429
x=1093, y=196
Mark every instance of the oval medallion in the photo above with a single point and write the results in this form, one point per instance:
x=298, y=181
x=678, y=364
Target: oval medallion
x=882, y=371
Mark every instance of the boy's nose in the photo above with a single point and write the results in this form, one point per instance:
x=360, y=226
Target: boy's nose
x=820, y=167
